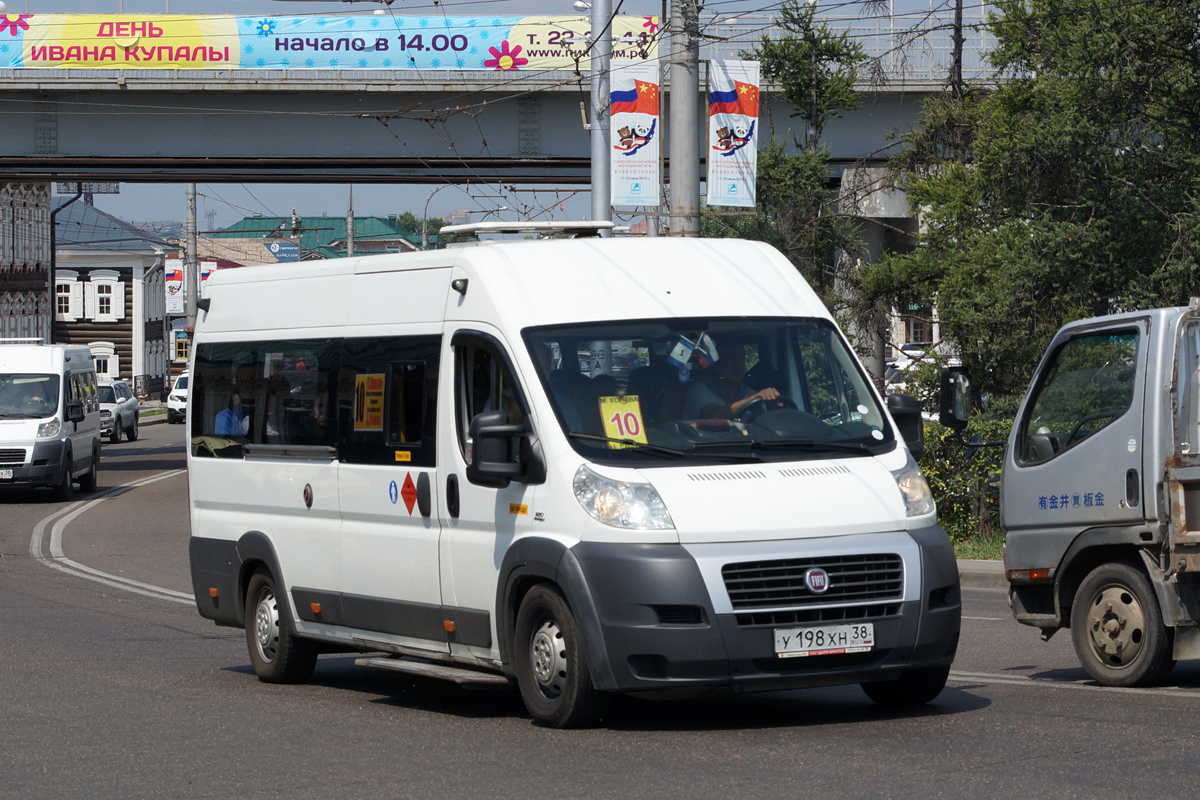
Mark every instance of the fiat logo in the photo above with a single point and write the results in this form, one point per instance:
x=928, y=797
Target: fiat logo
x=817, y=580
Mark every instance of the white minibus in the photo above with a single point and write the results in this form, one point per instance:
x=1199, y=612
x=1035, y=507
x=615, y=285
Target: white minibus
x=49, y=417
x=583, y=465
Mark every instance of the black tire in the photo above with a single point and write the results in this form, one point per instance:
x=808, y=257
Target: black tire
x=132, y=433
x=552, y=668
x=277, y=655
x=914, y=687
x=1117, y=627
x=64, y=490
x=89, y=480
x=115, y=436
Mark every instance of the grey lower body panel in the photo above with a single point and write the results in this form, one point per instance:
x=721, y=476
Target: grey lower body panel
x=641, y=594
x=44, y=467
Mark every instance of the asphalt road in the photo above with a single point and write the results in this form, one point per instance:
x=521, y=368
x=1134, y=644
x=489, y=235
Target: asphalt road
x=114, y=687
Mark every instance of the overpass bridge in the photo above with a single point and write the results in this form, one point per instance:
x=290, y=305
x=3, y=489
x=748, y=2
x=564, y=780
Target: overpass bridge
x=398, y=125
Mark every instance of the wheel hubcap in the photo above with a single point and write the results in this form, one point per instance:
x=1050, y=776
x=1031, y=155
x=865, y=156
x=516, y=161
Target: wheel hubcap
x=548, y=656
x=266, y=625
x=1117, y=626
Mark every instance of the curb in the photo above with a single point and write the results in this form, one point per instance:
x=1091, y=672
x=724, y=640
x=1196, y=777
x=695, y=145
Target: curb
x=981, y=574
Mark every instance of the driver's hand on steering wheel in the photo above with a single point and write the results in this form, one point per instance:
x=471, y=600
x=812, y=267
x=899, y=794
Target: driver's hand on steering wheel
x=770, y=393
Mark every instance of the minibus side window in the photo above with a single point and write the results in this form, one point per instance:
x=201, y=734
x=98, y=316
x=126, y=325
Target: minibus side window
x=274, y=392
x=387, y=401
x=483, y=382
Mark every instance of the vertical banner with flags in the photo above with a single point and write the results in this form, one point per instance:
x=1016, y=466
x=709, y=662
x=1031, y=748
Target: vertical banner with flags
x=732, y=132
x=634, y=133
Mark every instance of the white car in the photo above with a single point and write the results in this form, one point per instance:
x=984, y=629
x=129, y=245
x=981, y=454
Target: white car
x=177, y=400
x=118, y=411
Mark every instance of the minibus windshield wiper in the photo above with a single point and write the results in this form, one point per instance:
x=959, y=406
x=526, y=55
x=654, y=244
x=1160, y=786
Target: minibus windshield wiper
x=653, y=448
x=19, y=415
x=810, y=444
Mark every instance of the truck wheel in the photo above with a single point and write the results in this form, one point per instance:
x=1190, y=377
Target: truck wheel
x=552, y=670
x=276, y=654
x=914, y=687
x=132, y=433
x=1117, y=628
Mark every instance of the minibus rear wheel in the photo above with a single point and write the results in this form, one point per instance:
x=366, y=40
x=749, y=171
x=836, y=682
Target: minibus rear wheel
x=552, y=668
x=277, y=655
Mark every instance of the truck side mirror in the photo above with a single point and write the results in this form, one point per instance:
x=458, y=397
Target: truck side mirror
x=954, y=403
x=906, y=410
x=493, y=440
x=75, y=411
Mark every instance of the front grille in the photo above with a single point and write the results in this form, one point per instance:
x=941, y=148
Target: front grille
x=808, y=616
x=873, y=577
x=12, y=455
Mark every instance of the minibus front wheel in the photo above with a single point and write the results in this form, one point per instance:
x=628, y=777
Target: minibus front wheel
x=552, y=669
x=277, y=655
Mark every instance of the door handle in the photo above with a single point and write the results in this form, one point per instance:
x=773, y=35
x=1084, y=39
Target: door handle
x=424, y=495
x=1133, y=488
x=452, y=495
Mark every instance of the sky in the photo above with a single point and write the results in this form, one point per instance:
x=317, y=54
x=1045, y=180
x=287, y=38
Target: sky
x=222, y=204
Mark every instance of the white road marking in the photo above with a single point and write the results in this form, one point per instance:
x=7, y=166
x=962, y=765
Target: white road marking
x=59, y=561
x=987, y=619
x=1022, y=680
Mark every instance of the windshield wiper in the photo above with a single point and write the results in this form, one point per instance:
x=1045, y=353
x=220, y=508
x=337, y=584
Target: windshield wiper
x=19, y=415
x=811, y=444
x=653, y=448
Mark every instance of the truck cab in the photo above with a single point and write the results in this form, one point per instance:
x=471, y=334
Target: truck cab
x=1101, y=475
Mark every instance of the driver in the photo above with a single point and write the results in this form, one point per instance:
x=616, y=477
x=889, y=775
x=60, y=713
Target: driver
x=722, y=393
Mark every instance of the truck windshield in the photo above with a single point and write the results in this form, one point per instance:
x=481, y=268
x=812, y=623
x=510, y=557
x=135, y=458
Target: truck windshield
x=652, y=392
x=28, y=396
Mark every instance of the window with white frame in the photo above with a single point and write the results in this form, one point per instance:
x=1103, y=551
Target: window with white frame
x=104, y=354
x=68, y=296
x=104, y=296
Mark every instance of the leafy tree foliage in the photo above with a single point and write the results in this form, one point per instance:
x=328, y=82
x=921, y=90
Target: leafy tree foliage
x=1067, y=190
x=412, y=223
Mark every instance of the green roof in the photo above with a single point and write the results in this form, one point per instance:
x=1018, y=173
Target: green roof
x=317, y=234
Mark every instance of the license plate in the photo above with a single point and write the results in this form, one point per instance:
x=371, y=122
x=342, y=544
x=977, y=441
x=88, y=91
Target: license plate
x=824, y=640
x=6, y=474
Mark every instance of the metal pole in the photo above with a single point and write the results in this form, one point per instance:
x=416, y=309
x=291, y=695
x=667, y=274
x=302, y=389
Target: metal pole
x=350, y=225
x=190, y=266
x=601, y=148
x=685, y=142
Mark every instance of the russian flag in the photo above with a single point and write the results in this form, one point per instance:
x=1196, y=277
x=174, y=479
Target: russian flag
x=641, y=99
x=742, y=100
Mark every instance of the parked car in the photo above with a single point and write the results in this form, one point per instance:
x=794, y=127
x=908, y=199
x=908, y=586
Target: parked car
x=118, y=411
x=177, y=400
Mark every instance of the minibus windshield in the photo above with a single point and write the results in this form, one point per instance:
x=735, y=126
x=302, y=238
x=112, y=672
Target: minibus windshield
x=658, y=391
x=28, y=396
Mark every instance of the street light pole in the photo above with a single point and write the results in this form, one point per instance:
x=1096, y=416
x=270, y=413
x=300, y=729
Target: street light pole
x=601, y=147
x=425, y=217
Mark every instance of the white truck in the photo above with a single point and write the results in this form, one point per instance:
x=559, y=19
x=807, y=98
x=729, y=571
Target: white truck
x=1100, y=491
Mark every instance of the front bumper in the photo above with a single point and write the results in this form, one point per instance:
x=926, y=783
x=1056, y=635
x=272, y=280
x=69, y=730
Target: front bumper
x=42, y=465
x=659, y=630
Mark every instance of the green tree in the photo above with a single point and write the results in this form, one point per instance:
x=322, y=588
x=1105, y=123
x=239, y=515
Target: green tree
x=412, y=223
x=1068, y=189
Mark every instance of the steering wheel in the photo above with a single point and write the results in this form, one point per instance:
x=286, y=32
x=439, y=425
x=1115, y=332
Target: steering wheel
x=757, y=407
x=1087, y=419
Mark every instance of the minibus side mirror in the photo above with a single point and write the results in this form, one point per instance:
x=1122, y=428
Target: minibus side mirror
x=75, y=411
x=954, y=404
x=906, y=410
x=492, y=442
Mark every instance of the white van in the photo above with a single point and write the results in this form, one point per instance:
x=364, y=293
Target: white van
x=49, y=417
x=589, y=465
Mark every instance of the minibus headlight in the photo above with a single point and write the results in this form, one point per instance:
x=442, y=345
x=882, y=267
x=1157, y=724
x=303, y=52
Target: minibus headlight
x=918, y=500
x=48, y=430
x=621, y=504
